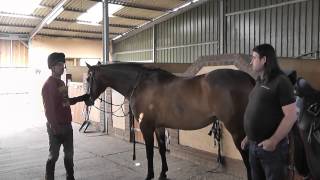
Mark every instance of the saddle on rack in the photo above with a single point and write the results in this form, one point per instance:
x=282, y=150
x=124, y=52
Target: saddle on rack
x=305, y=90
x=309, y=105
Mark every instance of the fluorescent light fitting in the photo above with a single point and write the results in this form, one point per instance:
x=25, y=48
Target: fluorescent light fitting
x=195, y=1
x=117, y=37
x=18, y=15
x=54, y=15
x=89, y=23
x=182, y=6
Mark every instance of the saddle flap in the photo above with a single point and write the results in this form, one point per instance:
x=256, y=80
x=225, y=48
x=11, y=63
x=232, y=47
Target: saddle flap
x=314, y=109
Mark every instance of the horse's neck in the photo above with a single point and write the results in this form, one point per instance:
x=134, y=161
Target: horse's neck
x=121, y=80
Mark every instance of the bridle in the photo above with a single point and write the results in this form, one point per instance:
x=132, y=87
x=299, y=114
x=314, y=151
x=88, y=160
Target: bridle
x=89, y=85
x=129, y=113
x=120, y=106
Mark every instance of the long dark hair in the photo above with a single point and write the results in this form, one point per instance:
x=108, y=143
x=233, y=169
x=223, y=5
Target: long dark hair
x=271, y=67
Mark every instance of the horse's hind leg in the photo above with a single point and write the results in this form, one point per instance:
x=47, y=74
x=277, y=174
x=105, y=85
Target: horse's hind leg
x=147, y=132
x=160, y=134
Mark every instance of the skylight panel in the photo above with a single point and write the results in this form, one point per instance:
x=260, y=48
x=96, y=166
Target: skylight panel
x=94, y=14
x=25, y=7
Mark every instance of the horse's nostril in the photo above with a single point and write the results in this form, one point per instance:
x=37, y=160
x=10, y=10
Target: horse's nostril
x=89, y=102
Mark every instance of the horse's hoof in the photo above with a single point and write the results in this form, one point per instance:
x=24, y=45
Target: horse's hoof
x=149, y=177
x=162, y=176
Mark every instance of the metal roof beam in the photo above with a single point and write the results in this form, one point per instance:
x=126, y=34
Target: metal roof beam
x=65, y=8
x=123, y=26
x=68, y=21
x=74, y=21
x=73, y=30
x=13, y=36
x=134, y=17
x=19, y=15
x=17, y=26
x=58, y=29
x=114, y=33
x=83, y=37
x=46, y=19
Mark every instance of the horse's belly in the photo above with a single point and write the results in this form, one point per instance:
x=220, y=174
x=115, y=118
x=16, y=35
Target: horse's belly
x=185, y=122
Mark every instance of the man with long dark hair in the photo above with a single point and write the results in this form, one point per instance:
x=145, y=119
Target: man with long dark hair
x=269, y=117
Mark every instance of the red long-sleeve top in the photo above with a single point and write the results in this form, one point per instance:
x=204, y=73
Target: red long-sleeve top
x=55, y=102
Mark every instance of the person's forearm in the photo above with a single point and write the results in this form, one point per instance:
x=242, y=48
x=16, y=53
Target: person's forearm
x=73, y=101
x=285, y=125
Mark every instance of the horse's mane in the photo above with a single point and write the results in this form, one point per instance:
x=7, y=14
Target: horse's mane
x=149, y=71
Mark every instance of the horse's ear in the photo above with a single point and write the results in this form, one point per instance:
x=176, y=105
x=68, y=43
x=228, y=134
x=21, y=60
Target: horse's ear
x=98, y=63
x=88, y=66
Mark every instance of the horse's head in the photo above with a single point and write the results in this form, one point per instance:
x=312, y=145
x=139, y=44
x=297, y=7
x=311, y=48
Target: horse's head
x=94, y=88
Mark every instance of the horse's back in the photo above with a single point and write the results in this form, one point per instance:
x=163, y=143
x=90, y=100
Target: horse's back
x=229, y=78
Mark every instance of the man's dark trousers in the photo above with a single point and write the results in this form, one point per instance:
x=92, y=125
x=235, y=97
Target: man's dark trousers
x=64, y=137
x=266, y=165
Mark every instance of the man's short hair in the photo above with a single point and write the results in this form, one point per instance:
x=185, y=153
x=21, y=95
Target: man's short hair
x=54, y=58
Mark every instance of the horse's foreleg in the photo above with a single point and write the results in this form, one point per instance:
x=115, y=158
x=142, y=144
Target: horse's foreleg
x=147, y=133
x=160, y=133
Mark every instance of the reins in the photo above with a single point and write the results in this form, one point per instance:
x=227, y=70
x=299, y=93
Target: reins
x=129, y=113
x=113, y=112
x=121, y=105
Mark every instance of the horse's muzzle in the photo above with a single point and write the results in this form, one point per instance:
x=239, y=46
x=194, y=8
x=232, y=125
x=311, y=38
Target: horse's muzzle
x=89, y=102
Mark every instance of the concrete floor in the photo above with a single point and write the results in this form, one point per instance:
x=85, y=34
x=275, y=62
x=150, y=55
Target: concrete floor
x=24, y=149
x=97, y=157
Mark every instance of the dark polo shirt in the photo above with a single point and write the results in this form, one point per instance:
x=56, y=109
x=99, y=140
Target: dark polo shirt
x=264, y=110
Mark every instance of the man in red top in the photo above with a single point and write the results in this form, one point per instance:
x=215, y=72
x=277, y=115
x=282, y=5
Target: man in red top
x=57, y=110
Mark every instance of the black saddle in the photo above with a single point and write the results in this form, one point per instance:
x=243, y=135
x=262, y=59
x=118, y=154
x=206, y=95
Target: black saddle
x=292, y=75
x=305, y=90
x=309, y=105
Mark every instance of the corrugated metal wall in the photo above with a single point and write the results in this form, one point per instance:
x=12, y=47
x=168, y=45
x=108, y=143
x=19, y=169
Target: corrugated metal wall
x=184, y=38
x=181, y=39
x=135, y=48
x=291, y=26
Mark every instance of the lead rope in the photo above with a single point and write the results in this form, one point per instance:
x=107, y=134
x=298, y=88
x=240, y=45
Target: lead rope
x=132, y=131
x=216, y=132
x=86, y=122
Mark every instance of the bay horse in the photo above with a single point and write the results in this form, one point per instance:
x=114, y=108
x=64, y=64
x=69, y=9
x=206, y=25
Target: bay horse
x=160, y=100
x=307, y=131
